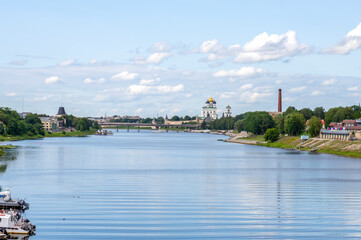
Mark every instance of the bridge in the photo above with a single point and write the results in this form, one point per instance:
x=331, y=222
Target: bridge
x=152, y=125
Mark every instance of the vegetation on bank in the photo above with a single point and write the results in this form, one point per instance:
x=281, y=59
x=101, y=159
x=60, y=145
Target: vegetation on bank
x=336, y=147
x=13, y=127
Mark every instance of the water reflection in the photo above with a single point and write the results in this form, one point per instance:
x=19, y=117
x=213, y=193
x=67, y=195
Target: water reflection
x=183, y=186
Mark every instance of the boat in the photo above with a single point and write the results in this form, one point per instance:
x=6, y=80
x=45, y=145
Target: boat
x=6, y=202
x=9, y=224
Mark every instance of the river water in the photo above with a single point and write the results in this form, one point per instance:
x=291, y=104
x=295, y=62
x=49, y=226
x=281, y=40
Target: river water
x=148, y=185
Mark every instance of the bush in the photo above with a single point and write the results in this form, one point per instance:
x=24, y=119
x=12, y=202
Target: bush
x=63, y=132
x=272, y=135
x=315, y=126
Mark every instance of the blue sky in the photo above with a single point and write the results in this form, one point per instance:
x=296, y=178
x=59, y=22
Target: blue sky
x=167, y=57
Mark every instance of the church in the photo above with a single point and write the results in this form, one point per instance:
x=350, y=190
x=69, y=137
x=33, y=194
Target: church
x=210, y=110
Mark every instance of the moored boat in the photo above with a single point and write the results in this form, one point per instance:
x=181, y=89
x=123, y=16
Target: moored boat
x=6, y=202
x=9, y=224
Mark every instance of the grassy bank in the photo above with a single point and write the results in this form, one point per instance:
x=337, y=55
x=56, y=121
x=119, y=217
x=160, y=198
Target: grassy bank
x=47, y=134
x=70, y=134
x=336, y=147
x=126, y=127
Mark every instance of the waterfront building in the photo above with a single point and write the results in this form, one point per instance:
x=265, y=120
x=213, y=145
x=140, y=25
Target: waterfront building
x=49, y=123
x=210, y=109
x=61, y=112
x=228, y=112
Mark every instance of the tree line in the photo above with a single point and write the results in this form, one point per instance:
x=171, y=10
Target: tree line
x=11, y=124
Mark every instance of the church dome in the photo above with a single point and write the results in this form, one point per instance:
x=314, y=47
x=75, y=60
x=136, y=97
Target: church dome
x=210, y=99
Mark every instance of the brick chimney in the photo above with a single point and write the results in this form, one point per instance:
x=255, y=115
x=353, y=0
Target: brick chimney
x=279, y=100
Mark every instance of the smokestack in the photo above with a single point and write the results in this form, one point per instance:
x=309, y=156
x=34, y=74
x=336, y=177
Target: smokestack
x=279, y=100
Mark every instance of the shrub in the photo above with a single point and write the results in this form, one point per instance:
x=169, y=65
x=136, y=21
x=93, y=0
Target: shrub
x=272, y=135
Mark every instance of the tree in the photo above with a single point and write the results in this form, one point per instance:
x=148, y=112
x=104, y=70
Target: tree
x=307, y=113
x=289, y=110
x=258, y=122
x=187, y=118
x=294, y=123
x=272, y=135
x=315, y=126
x=96, y=125
x=280, y=123
x=204, y=125
x=32, y=119
x=319, y=112
x=239, y=126
x=175, y=118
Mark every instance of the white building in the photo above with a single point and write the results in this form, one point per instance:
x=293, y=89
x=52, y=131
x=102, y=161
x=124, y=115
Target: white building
x=228, y=112
x=210, y=109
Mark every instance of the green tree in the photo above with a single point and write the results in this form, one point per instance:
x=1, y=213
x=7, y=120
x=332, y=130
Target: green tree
x=314, y=126
x=289, y=110
x=319, y=112
x=96, y=125
x=280, y=123
x=175, y=118
x=307, y=113
x=272, y=135
x=204, y=125
x=294, y=123
x=187, y=118
x=258, y=122
x=238, y=126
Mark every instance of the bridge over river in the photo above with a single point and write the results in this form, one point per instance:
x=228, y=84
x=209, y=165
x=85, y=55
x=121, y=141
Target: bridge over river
x=152, y=125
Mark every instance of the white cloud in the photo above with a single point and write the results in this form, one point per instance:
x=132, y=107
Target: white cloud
x=350, y=42
x=44, y=98
x=209, y=46
x=88, y=81
x=11, y=94
x=91, y=81
x=253, y=96
x=160, y=47
x=125, y=75
x=139, y=110
x=352, y=89
x=266, y=47
x=317, y=93
x=246, y=87
x=227, y=95
x=242, y=72
x=93, y=61
x=161, y=89
x=52, y=79
x=67, y=63
x=158, y=57
x=148, y=81
x=298, y=89
x=329, y=82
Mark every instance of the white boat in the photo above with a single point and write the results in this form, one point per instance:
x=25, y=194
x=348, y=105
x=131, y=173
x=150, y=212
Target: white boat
x=10, y=225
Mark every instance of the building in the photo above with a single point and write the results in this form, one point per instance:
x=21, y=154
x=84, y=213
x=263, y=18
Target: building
x=49, y=123
x=228, y=112
x=210, y=110
x=345, y=130
x=61, y=112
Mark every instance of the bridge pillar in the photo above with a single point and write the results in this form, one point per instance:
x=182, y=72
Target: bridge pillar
x=128, y=129
x=177, y=129
x=117, y=128
x=166, y=128
x=138, y=128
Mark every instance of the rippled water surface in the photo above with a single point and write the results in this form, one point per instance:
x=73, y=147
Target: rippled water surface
x=172, y=185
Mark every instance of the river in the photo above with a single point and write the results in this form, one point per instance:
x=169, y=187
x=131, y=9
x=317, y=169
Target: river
x=148, y=185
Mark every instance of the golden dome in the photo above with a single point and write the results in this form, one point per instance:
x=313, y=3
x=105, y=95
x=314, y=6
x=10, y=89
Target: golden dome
x=210, y=99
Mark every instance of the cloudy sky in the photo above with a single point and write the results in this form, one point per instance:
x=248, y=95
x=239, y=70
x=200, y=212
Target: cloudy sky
x=154, y=58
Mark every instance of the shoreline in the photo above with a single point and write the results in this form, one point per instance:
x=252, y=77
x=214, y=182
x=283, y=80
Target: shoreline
x=350, y=149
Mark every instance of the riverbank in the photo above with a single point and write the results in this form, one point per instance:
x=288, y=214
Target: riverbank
x=48, y=134
x=329, y=146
